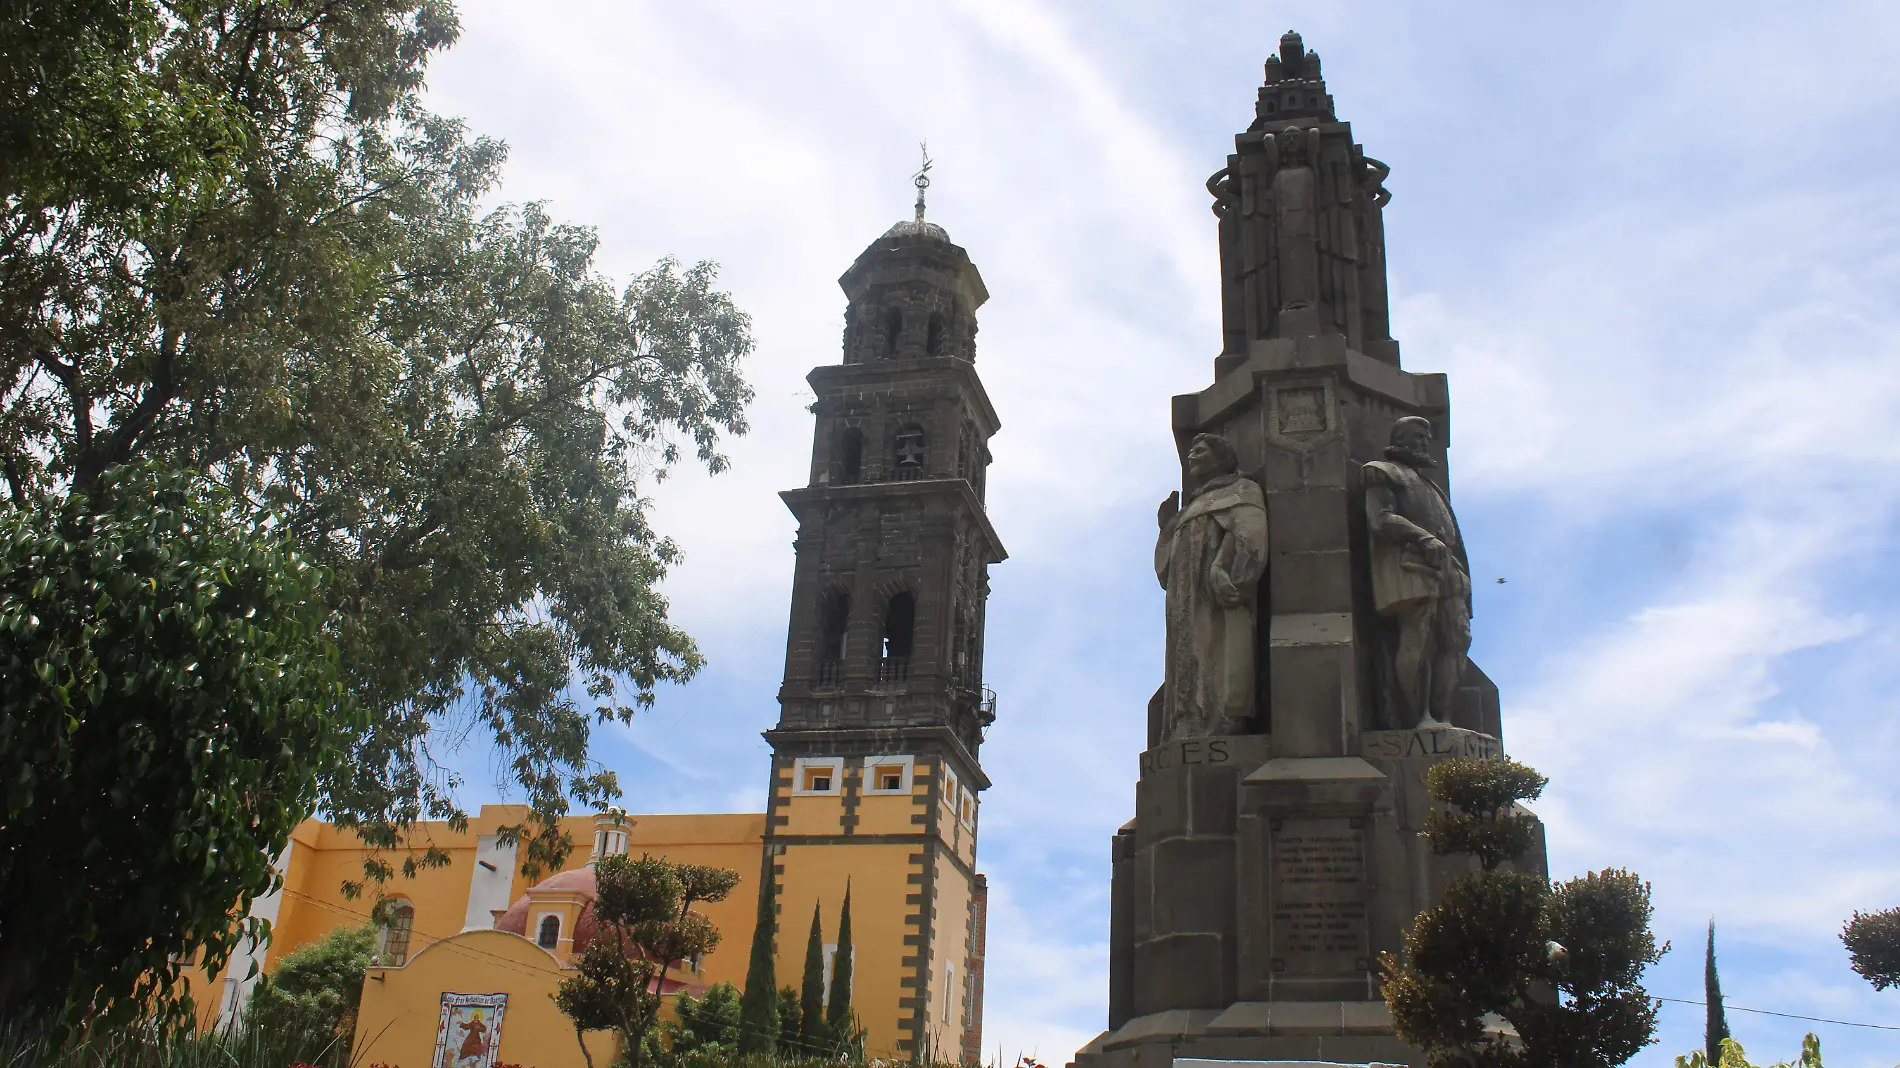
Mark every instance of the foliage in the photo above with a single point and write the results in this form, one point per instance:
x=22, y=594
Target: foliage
x=790, y=1021
x=811, y=991
x=758, y=1009
x=232, y=242
x=644, y=909
x=151, y=1045
x=1560, y=964
x=1731, y=1055
x=840, y=1024
x=1873, y=946
x=311, y=997
x=1715, y=1027
x=1485, y=819
x=706, y=1030
x=168, y=699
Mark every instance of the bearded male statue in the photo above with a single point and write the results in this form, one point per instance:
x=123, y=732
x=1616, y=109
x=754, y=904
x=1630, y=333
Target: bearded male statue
x=1209, y=557
x=1420, y=577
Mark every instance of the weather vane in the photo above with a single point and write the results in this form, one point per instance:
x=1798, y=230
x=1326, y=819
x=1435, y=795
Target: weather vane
x=922, y=178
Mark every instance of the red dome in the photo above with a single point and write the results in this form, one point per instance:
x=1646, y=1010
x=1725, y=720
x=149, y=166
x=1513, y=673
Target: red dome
x=581, y=879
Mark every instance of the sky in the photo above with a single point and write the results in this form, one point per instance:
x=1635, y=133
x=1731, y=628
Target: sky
x=1655, y=247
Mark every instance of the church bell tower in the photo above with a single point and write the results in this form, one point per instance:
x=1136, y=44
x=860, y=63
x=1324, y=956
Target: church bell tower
x=875, y=776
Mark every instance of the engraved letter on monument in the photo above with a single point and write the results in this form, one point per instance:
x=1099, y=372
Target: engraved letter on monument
x=1319, y=897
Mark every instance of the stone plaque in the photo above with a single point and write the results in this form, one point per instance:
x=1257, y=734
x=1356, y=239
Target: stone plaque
x=1319, y=896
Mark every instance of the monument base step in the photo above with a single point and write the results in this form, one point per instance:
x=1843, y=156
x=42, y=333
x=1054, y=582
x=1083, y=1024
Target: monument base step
x=1320, y=1033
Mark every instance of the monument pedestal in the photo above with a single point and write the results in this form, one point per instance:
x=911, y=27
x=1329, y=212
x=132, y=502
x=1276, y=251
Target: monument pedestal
x=1253, y=893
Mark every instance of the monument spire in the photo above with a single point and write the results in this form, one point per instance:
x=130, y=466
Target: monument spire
x=1302, y=238
x=1314, y=667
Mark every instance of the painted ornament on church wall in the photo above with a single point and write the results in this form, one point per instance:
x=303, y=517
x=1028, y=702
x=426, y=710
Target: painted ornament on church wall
x=469, y=1035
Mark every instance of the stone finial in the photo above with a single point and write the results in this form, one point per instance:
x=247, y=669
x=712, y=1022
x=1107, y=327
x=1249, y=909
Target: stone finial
x=1294, y=87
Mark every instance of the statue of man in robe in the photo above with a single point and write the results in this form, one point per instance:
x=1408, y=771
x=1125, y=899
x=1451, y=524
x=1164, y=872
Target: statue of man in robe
x=1420, y=577
x=1209, y=557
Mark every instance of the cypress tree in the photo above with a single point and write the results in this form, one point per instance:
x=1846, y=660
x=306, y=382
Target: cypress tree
x=838, y=1010
x=811, y=994
x=1716, y=1028
x=758, y=1009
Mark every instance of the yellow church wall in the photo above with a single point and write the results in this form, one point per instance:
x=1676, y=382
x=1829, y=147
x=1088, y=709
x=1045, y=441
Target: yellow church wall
x=402, y=1007
x=949, y=945
x=879, y=877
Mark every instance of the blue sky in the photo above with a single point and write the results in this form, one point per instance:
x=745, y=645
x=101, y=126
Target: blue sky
x=1656, y=248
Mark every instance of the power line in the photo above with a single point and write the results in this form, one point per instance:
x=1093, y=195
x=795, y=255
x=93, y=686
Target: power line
x=1784, y=1015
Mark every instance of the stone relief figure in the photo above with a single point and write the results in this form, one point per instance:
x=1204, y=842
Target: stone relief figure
x=1209, y=557
x=1420, y=577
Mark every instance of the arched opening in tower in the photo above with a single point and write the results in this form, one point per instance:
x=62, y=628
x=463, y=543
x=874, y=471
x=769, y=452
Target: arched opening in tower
x=850, y=455
x=909, y=453
x=934, y=342
x=900, y=619
x=893, y=329
x=834, y=618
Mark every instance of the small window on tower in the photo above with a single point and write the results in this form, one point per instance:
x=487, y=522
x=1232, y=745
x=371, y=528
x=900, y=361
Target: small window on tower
x=889, y=777
x=850, y=455
x=549, y=934
x=910, y=453
x=817, y=775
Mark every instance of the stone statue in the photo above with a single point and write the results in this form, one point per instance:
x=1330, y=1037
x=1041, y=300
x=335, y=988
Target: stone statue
x=1420, y=576
x=1209, y=557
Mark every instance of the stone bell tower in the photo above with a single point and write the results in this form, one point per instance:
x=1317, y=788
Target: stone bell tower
x=883, y=708
x=1318, y=599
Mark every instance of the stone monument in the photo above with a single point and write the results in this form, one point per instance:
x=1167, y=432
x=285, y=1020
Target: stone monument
x=1318, y=618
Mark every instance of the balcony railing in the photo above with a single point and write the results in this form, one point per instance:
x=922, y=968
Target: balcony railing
x=830, y=672
x=893, y=669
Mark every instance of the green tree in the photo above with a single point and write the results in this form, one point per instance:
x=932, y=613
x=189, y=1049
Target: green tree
x=811, y=991
x=168, y=700
x=233, y=242
x=647, y=924
x=311, y=998
x=1715, y=1028
x=790, y=1022
x=706, y=1029
x=1873, y=946
x=840, y=1024
x=1560, y=964
x=758, y=1009
x=1730, y=1055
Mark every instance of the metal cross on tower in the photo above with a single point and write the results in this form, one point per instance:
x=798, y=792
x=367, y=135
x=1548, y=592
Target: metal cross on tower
x=922, y=178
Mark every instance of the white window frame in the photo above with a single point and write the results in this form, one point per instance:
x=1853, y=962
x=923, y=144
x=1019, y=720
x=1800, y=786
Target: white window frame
x=873, y=763
x=835, y=765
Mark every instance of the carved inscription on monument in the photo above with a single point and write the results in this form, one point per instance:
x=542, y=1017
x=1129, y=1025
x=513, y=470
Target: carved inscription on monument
x=1319, y=896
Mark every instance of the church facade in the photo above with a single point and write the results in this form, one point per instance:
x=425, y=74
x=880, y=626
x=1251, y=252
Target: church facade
x=874, y=780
